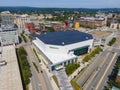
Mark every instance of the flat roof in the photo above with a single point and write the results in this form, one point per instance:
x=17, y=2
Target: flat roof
x=53, y=57
x=101, y=33
x=59, y=58
x=63, y=37
x=10, y=78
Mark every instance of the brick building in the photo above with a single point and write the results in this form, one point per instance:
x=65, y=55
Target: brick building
x=92, y=22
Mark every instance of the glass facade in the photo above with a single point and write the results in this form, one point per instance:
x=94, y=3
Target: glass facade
x=63, y=64
x=81, y=50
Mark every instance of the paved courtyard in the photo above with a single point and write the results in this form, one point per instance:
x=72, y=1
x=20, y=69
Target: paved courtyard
x=64, y=83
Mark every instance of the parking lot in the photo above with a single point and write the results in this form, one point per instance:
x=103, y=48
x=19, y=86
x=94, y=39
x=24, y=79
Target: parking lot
x=9, y=74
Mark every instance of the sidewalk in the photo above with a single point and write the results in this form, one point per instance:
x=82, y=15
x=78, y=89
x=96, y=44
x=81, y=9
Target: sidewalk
x=43, y=66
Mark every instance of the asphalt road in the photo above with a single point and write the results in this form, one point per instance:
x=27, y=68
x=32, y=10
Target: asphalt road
x=100, y=77
x=89, y=78
x=45, y=83
x=84, y=76
x=95, y=76
x=39, y=81
x=36, y=83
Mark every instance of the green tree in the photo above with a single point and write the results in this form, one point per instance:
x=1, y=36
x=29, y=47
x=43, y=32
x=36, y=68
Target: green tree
x=71, y=67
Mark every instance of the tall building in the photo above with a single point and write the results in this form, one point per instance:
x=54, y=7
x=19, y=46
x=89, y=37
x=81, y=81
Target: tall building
x=92, y=22
x=8, y=35
x=8, y=30
x=20, y=20
x=7, y=18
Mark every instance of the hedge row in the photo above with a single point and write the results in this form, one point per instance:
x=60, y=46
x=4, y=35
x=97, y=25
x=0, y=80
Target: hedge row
x=75, y=85
x=36, y=55
x=24, y=38
x=92, y=54
x=24, y=65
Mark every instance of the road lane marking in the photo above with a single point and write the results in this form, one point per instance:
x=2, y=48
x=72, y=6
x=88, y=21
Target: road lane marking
x=94, y=73
x=105, y=72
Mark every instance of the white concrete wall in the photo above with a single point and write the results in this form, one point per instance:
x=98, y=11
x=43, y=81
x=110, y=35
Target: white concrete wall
x=80, y=44
x=41, y=44
x=66, y=48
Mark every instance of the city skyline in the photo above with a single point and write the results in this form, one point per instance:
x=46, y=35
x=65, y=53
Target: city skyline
x=64, y=3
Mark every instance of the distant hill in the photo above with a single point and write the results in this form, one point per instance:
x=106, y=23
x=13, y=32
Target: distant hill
x=21, y=9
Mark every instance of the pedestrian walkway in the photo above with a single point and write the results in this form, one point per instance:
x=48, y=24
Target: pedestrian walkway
x=63, y=80
x=43, y=66
x=75, y=73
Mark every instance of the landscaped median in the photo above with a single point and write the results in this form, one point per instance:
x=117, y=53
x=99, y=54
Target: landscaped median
x=24, y=67
x=35, y=67
x=56, y=80
x=24, y=37
x=112, y=41
x=92, y=54
x=75, y=85
x=36, y=55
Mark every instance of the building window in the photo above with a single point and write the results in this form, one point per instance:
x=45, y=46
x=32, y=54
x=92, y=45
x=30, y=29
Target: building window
x=81, y=50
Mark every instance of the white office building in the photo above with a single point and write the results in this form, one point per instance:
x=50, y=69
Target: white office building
x=62, y=47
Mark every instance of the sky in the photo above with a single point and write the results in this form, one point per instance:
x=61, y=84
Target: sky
x=63, y=3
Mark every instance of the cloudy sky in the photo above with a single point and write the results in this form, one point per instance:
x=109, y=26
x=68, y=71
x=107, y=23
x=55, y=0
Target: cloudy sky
x=63, y=3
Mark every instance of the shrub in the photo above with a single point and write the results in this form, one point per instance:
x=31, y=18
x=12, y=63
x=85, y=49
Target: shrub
x=112, y=42
x=92, y=54
x=24, y=38
x=70, y=68
x=24, y=65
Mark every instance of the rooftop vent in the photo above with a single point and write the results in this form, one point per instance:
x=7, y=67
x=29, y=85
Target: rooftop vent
x=63, y=43
x=86, y=37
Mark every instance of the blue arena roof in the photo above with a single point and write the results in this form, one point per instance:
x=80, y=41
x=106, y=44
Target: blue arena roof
x=63, y=37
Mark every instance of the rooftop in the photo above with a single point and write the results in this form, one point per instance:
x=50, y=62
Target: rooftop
x=101, y=33
x=63, y=37
x=9, y=74
x=53, y=57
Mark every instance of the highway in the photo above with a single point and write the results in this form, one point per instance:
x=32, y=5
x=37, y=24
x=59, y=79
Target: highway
x=82, y=78
x=95, y=76
x=101, y=75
